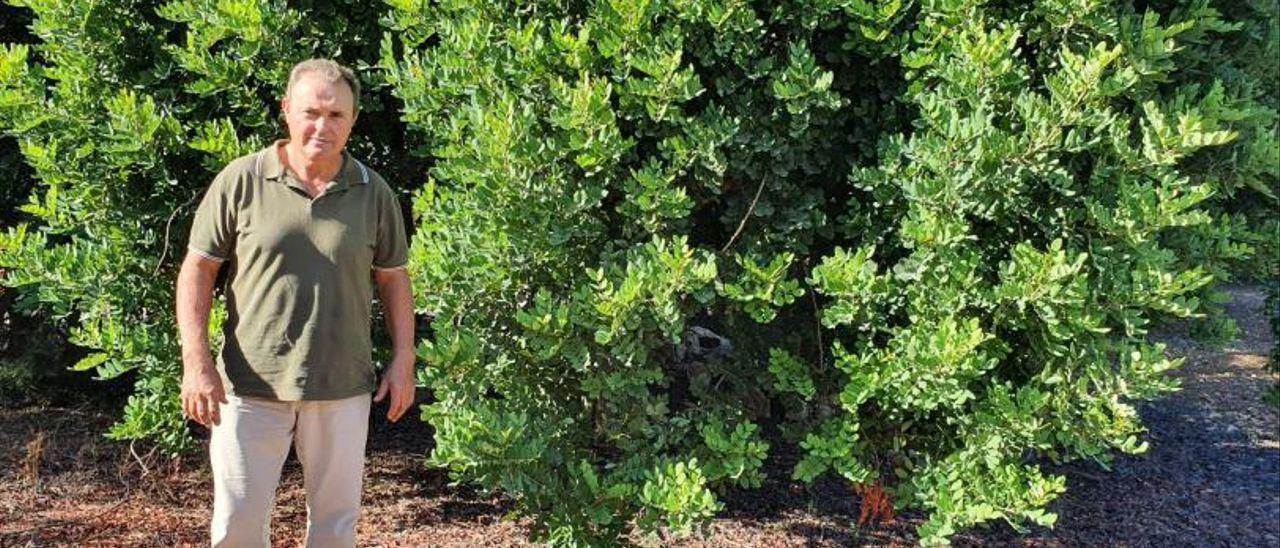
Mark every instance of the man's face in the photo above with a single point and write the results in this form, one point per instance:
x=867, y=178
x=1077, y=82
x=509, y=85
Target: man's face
x=319, y=116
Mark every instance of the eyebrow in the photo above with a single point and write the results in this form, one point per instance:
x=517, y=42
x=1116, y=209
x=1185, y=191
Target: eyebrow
x=311, y=110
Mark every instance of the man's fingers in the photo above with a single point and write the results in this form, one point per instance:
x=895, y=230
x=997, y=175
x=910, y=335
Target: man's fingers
x=408, y=399
x=393, y=409
x=382, y=390
x=203, y=409
x=200, y=414
x=215, y=414
x=218, y=396
x=400, y=403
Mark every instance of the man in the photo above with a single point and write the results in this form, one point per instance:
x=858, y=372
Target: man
x=303, y=227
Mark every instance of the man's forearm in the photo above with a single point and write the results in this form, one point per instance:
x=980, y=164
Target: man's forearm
x=395, y=292
x=194, y=300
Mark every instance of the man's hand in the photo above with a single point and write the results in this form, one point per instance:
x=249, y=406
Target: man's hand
x=398, y=381
x=202, y=392
x=201, y=385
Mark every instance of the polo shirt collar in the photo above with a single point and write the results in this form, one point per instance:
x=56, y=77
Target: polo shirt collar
x=269, y=166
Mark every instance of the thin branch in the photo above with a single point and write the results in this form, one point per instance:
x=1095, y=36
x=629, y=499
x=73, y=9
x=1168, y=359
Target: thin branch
x=817, y=317
x=743, y=223
x=167, y=225
x=140, y=460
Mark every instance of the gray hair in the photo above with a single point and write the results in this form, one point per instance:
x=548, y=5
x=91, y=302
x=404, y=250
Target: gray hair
x=331, y=72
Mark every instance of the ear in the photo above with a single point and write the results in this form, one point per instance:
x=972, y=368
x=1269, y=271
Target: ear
x=284, y=105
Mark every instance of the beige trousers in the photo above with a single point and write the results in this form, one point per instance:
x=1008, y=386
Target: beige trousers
x=247, y=451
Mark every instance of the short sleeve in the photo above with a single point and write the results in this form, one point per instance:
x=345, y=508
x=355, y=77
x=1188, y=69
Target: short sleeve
x=391, y=251
x=213, y=231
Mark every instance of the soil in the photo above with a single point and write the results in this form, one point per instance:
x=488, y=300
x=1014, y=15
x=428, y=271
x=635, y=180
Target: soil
x=1211, y=477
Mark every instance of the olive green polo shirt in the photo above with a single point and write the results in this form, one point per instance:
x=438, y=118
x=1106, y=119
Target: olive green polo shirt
x=300, y=288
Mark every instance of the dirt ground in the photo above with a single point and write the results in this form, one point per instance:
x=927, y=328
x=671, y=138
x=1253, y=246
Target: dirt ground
x=1211, y=477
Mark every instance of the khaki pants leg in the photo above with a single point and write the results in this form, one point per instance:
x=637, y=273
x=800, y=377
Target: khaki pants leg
x=330, y=438
x=246, y=452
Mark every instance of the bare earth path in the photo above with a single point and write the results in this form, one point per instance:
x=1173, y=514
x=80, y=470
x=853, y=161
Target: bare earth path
x=1211, y=478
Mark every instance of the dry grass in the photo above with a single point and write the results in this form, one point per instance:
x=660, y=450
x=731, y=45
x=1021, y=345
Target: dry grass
x=30, y=469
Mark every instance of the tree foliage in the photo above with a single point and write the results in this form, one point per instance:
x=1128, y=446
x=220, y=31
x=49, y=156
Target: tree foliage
x=922, y=242
x=124, y=111
x=988, y=203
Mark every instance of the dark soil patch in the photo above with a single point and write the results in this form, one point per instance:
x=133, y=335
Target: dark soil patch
x=1212, y=474
x=1211, y=477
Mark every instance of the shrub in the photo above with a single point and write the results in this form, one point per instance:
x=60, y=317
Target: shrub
x=988, y=204
x=591, y=159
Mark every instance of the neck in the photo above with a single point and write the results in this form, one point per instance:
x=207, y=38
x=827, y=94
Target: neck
x=310, y=169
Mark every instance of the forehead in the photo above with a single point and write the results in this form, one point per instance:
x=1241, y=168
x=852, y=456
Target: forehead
x=314, y=91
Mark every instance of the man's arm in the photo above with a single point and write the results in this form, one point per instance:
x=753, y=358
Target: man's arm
x=201, y=386
x=398, y=379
